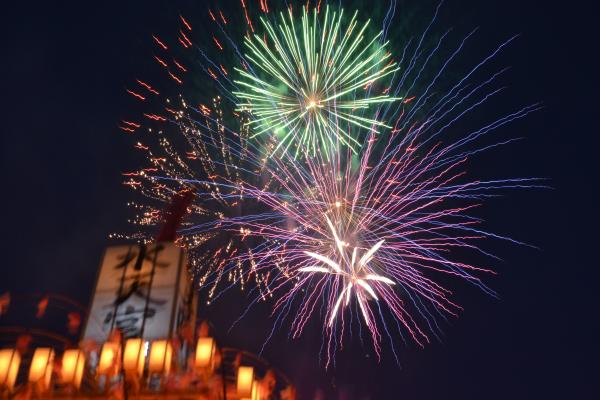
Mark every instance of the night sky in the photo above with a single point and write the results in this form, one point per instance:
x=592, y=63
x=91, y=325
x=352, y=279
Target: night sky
x=64, y=70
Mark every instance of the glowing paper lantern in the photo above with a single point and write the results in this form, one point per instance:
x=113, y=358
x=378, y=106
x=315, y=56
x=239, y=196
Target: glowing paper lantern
x=73, y=362
x=9, y=366
x=255, y=391
x=134, y=356
x=245, y=380
x=160, y=357
x=205, y=350
x=40, y=370
x=109, y=358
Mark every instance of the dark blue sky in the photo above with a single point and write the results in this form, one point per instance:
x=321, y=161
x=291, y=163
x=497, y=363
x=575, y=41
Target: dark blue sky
x=64, y=69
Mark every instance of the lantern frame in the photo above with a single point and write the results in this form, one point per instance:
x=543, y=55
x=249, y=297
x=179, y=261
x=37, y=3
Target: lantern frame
x=73, y=362
x=205, y=353
x=108, y=362
x=134, y=356
x=40, y=369
x=244, y=381
x=10, y=361
x=159, y=360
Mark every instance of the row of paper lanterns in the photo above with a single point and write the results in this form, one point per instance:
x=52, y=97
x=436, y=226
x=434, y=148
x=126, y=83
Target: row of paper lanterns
x=40, y=369
x=73, y=360
x=134, y=357
x=134, y=362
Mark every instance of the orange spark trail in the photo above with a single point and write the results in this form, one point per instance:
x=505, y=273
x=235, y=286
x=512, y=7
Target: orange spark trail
x=175, y=78
x=217, y=43
x=223, y=69
x=134, y=94
x=161, y=44
x=155, y=117
x=185, y=23
x=205, y=110
x=131, y=124
x=264, y=6
x=223, y=17
x=150, y=88
x=181, y=67
x=247, y=16
x=185, y=37
x=164, y=64
x=212, y=74
x=132, y=183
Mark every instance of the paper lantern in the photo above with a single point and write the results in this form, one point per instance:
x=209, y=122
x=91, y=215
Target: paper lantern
x=134, y=356
x=73, y=362
x=10, y=360
x=109, y=359
x=160, y=357
x=245, y=380
x=40, y=370
x=205, y=350
x=255, y=391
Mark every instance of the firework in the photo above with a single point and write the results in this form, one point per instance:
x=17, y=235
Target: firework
x=343, y=205
x=372, y=243
x=355, y=273
x=198, y=144
x=311, y=80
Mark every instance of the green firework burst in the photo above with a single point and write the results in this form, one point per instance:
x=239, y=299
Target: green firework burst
x=310, y=83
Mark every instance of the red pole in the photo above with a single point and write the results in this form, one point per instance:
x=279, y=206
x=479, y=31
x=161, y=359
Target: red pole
x=174, y=214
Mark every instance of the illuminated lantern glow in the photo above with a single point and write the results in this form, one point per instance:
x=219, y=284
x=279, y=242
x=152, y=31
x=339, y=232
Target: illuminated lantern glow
x=134, y=356
x=109, y=359
x=40, y=370
x=245, y=381
x=205, y=351
x=160, y=357
x=73, y=362
x=10, y=360
x=255, y=391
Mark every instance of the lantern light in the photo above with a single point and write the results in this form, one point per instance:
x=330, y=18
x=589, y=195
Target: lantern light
x=205, y=350
x=73, y=362
x=109, y=358
x=10, y=360
x=255, y=390
x=134, y=356
x=40, y=370
x=160, y=357
x=245, y=380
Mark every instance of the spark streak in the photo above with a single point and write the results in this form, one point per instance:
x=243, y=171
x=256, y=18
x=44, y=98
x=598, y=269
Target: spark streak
x=306, y=88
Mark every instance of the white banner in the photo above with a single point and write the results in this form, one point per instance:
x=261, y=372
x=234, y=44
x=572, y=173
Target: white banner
x=144, y=290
